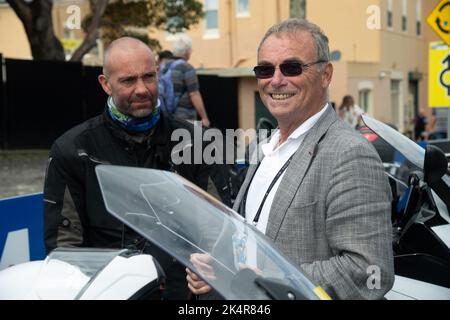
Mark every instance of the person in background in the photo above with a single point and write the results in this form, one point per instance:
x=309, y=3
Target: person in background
x=164, y=57
x=420, y=124
x=350, y=112
x=186, y=85
x=437, y=125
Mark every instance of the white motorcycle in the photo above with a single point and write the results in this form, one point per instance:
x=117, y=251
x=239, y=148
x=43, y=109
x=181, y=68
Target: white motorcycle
x=188, y=223
x=183, y=220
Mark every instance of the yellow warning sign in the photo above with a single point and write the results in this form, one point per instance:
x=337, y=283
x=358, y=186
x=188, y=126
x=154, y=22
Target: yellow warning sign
x=439, y=20
x=439, y=75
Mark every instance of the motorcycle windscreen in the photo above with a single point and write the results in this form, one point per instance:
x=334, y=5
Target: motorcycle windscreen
x=200, y=232
x=410, y=150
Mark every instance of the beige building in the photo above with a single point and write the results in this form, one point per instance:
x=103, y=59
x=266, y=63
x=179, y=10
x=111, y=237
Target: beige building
x=225, y=44
x=380, y=47
x=67, y=17
x=13, y=40
x=384, y=66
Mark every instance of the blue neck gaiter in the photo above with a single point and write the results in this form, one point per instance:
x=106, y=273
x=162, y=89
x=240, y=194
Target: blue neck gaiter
x=131, y=123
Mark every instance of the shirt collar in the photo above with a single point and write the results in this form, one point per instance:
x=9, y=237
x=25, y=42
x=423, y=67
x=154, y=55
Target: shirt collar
x=268, y=147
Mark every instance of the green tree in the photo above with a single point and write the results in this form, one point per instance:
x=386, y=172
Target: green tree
x=137, y=18
x=36, y=17
x=108, y=20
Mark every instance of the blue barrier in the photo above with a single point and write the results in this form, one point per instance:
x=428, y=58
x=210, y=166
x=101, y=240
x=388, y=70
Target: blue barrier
x=22, y=214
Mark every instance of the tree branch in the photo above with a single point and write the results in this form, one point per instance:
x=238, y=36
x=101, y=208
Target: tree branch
x=23, y=11
x=36, y=18
x=92, y=31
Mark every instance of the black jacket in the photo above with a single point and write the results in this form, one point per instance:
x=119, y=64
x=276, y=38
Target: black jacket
x=74, y=212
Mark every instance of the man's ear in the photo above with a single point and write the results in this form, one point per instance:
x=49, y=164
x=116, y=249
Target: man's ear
x=104, y=83
x=327, y=75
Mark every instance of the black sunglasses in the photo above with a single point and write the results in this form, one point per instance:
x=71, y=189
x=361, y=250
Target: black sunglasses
x=289, y=69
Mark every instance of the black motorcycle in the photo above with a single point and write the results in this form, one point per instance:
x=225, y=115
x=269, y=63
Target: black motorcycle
x=421, y=229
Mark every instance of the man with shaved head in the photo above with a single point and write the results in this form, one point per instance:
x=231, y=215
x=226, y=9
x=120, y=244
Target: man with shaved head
x=130, y=77
x=132, y=131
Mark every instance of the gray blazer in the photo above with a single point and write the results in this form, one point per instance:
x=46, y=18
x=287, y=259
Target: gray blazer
x=331, y=213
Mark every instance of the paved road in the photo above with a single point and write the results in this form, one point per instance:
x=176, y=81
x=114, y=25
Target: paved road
x=22, y=172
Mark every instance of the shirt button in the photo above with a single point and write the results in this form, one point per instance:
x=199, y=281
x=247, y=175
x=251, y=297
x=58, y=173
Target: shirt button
x=66, y=223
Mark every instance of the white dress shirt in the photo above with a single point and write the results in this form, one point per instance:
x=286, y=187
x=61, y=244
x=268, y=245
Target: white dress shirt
x=273, y=161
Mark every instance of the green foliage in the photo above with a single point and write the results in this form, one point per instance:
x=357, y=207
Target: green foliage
x=175, y=15
x=125, y=17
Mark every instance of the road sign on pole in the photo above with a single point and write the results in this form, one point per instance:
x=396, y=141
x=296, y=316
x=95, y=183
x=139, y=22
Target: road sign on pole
x=439, y=20
x=439, y=59
x=439, y=78
x=439, y=75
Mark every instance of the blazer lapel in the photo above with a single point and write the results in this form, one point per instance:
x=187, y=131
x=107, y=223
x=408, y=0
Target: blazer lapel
x=296, y=171
x=256, y=158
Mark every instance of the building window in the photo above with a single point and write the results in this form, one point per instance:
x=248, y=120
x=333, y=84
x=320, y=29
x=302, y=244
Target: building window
x=404, y=15
x=390, y=20
x=297, y=9
x=418, y=17
x=364, y=100
x=242, y=8
x=211, y=17
x=365, y=89
x=418, y=28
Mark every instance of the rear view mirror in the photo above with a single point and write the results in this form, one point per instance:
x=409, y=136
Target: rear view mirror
x=435, y=164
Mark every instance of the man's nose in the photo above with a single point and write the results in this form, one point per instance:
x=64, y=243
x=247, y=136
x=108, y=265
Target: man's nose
x=278, y=78
x=141, y=88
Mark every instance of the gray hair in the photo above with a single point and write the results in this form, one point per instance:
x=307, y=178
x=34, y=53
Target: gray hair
x=294, y=25
x=181, y=45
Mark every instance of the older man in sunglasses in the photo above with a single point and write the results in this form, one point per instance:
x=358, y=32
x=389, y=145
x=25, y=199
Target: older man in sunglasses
x=320, y=192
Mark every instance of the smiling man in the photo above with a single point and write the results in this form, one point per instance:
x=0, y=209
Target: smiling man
x=132, y=131
x=319, y=192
